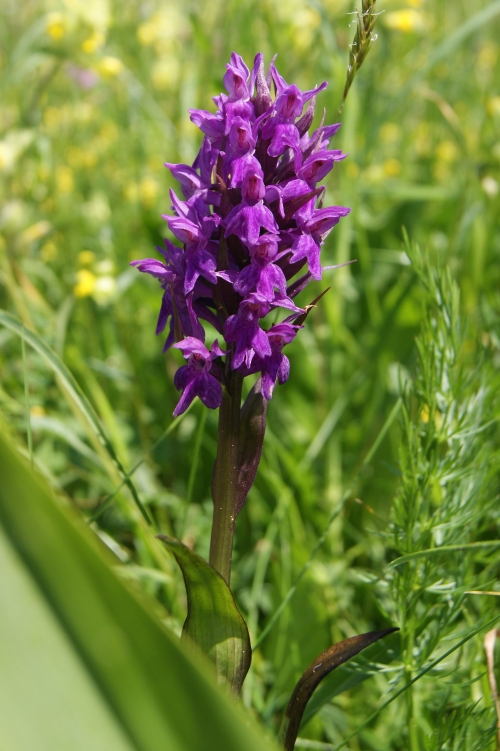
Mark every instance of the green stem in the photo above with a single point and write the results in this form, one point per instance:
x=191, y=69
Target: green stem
x=225, y=477
x=27, y=400
x=410, y=710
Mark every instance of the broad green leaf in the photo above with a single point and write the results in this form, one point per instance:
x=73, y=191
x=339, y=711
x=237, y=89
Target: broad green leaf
x=213, y=622
x=48, y=700
x=85, y=664
x=311, y=678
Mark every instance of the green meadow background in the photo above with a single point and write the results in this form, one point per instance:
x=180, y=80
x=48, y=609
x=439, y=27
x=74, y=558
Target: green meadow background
x=376, y=447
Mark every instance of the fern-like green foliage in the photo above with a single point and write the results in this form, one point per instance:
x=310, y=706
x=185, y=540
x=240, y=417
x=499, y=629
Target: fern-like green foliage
x=447, y=497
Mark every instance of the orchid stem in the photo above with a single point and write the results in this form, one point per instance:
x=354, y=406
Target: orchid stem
x=225, y=478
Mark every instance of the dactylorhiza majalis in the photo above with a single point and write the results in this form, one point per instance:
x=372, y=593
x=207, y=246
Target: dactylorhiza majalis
x=250, y=228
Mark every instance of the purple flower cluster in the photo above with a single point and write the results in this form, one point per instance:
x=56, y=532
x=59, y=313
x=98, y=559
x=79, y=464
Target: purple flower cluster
x=251, y=220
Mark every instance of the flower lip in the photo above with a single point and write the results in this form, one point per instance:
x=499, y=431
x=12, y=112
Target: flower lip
x=240, y=136
x=266, y=248
x=252, y=188
x=290, y=103
x=191, y=346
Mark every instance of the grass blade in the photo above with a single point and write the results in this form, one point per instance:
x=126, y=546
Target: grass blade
x=27, y=400
x=79, y=398
x=444, y=549
x=321, y=541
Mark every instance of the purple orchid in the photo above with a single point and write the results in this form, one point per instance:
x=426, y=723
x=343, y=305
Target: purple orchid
x=246, y=219
x=243, y=329
x=236, y=77
x=248, y=224
x=262, y=275
x=195, y=379
x=276, y=365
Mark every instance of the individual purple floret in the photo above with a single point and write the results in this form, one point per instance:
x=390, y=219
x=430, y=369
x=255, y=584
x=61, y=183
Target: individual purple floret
x=262, y=275
x=275, y=365
x=195, y=379
x=244, y=331
x=250, y=229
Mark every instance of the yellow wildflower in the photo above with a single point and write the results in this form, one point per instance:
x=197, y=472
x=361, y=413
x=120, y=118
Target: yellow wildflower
x=64, y=179
x=86, y=282
x=392, y=167
x=86, y=257
x=406, y=20
x=56, y=26
x=447, y=151
x=147, y=33
x=93, y=42
x=109, y=67
x=148, y=190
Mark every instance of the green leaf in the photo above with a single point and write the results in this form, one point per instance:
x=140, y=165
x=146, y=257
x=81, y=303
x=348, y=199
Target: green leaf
x=431, y=552
x=252, y=431
x=347, y=676
x=213, y=622
x=317, y=670
x=85, y=664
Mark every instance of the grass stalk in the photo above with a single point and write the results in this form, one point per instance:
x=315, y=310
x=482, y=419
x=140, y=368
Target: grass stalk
x=27, y=400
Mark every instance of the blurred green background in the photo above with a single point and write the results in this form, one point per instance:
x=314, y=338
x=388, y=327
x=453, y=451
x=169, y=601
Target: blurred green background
x=94, y=99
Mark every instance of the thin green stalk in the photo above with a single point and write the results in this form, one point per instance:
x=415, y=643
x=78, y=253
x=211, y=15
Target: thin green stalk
x=27, y=400
x=408, y=674
x=225, y=477
x=97, y=513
